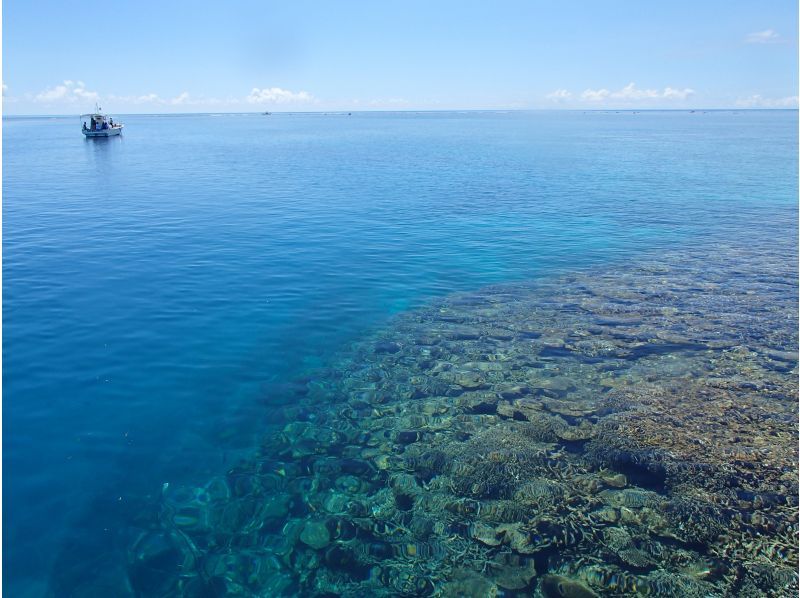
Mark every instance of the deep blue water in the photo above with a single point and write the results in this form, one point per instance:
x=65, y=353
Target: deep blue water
x=159, y=287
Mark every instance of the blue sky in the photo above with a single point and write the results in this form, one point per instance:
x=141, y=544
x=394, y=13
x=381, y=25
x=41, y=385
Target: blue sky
x=242, y=56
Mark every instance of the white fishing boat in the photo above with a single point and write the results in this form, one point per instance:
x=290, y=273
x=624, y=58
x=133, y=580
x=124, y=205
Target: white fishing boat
x=98, y=124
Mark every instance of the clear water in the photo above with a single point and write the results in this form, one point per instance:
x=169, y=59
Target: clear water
x=161, y=287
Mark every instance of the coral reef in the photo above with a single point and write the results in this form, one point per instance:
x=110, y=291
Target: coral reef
x=604, y=433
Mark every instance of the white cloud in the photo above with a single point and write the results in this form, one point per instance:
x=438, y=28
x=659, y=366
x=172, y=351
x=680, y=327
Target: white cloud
x=768, y=36
x=149, y=98
x=756, y=101
x=595, y=95
x=276, y=95
x=69, y=91
x=72, y=92
x=631, y=93
x=559, y=95
x=677, y=94
x=5, y=89
x=182, y=98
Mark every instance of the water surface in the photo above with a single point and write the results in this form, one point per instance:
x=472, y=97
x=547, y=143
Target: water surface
x=160, y=288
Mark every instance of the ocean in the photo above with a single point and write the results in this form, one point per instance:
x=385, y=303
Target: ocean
x=190, y=298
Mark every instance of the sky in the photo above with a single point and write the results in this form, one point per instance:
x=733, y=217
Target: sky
x=60, y=57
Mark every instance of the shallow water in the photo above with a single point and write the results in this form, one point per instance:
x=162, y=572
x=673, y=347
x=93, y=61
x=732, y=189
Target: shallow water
x=163, y=293
x=600, y=433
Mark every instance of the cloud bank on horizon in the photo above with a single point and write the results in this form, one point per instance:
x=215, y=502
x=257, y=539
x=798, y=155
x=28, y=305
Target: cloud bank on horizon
x=70, y=94
x=628, y=94
x=632, y=96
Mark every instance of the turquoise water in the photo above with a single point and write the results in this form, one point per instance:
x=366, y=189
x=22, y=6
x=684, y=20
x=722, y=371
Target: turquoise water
x=162, y=288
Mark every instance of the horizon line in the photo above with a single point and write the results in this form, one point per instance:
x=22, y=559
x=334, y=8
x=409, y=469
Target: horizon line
x=427, y=110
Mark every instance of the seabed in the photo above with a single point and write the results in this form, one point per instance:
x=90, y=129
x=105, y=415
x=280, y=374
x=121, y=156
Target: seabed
x=610, y=432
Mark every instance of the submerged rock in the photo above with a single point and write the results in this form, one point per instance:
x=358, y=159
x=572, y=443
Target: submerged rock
x=158, y=560
x=556, y=586
x=512, y=572
x=468, y=379
x=315, y=534
x=614, y=480
x=486, y=534
x=386, y=347
x=469, y=584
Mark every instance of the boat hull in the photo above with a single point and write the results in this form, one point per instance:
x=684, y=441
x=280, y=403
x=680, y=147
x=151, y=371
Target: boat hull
x=103, y=132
